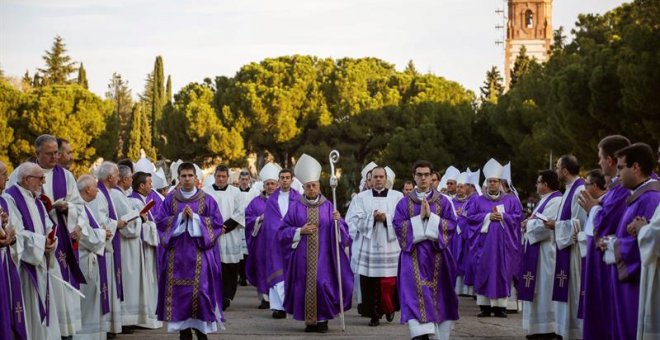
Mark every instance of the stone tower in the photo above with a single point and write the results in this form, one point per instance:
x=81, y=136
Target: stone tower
x=529, y=24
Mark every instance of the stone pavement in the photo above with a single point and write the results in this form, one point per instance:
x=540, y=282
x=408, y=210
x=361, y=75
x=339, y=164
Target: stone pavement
x=245, y=321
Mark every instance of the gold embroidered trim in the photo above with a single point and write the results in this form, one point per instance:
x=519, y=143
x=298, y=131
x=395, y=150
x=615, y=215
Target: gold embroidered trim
x=195, y=294
x=170, y=281
x=311, y=310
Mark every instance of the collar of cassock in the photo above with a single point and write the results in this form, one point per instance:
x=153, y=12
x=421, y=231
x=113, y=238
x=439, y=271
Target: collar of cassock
x=434, y=196
x=244, y=190
x=179, y=196
x=217, y=188
x=320, y=199
x=382, y=193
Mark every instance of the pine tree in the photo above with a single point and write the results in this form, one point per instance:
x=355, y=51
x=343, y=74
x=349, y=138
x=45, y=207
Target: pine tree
x=492, y=87
x=168, y=90
x=158, y=97
x=82, y=77
x=120, y=95
x=410, y=69
x=520, y=66
x=58, y=65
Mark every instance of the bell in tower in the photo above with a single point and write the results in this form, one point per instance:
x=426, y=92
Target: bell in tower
x=530, y=25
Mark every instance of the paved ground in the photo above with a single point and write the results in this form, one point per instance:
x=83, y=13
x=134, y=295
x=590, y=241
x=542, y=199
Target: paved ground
x=245, y=321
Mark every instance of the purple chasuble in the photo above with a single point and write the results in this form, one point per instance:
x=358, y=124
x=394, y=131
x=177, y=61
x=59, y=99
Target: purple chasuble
x=427, y=271
x=311, y=286
x=516, y=214
x=255, y=264
x=190, y=280
x=530, y=261
x=66, y=255
x=563, y=259
x=596, y=297
x=494, y=251
x=272, y=221
x=625, y=274
x=12, y=315
x=103, y=272
x=467, y=237
x=28, y=224
x=456, y=246
x=116, y=241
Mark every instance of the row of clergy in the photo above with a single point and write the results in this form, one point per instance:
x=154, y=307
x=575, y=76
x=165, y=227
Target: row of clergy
x=389, y=232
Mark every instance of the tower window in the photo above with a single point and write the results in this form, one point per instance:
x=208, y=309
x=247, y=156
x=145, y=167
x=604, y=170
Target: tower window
x=529, y=19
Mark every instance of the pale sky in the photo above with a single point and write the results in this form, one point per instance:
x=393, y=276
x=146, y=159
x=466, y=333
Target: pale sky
x=206, y=38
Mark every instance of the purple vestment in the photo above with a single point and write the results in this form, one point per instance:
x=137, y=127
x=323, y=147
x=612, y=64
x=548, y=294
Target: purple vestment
x=626, y=272
x=272, y=220
x=67, y=249
x=190, y=281
x=457, y=242
x=255, y=264
x=495, y=252
x=516, y=214
x=597, y=296
x=467, y=236
x=311, y=284
x=12, y=316
x=427, y=270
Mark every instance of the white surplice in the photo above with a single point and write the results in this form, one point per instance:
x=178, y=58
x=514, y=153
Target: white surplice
x=30, y=248
x=648, y=317
x=231, y=244
x=538, y=315
x=100, y=209
x=149, y=276
x=67, y=301
x=378, y=247
x=92, y=246
x=568, y=325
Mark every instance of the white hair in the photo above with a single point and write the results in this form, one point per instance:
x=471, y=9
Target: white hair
x=105, y=170
x=85, y=181
x=43, y=139
x=25, y=170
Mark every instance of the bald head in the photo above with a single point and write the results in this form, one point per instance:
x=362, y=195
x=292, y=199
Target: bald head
x=87, y=187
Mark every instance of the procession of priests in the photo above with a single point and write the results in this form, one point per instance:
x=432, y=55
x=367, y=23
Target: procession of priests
x=127, y=247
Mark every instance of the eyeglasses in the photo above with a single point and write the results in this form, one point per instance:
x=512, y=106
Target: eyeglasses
x=40, y=178
x=423, y=174
x=51, y=154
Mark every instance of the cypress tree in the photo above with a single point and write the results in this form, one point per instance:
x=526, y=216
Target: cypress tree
x=520, y=66
x=168, y=89
x=82, y=77
x=158, y=97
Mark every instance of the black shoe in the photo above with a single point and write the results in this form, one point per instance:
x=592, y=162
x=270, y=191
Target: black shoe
x=225, y=303
x=112, y=335
x=279, y=314
x=499, y=312
x=185, y=334
x=512, y=311
x=422, y=337
x=311, y=328
x=374, y=322
x=389, y=317
x=242, y=282
x=127, y=330
x=322, y=327
x=264, y=305
x=200, y=335
x=485, y=312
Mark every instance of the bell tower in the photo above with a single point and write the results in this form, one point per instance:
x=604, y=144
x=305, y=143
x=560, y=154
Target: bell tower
x=529, y=24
